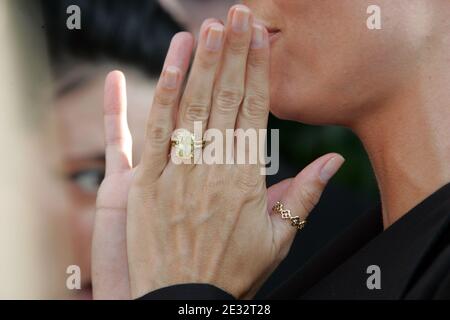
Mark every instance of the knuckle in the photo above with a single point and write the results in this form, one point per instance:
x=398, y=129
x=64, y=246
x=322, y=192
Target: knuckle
x=258, y=60
x=237, y=45
x=196, y=111
x=248, y=179
x=227, y=99
x=116, y=140
x=159, y=134
x=213, y=188
x=208, y=60
x=255, y=106
x=164, y=98
x=308, y=199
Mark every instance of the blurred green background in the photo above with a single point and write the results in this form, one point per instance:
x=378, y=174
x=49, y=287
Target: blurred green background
x=301, y=144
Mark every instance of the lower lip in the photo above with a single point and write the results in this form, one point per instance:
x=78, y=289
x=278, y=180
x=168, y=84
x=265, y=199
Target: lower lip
x=273, y=36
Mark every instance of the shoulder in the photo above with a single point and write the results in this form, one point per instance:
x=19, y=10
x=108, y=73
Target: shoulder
x=432, y=276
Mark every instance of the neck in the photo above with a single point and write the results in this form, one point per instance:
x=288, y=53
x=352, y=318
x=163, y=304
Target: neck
x=408, y=141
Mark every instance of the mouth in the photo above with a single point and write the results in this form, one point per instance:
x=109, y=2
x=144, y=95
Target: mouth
x=274, y=34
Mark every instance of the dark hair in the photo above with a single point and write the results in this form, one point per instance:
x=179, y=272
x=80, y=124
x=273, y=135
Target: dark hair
x=136, y=32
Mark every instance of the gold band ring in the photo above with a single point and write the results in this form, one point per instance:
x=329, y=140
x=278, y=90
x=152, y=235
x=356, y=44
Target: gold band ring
x=296, y=222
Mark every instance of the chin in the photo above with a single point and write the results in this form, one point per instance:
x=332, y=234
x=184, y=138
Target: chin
x=280, y=113
x=285, y=107
x=306, y=113
x=279, y=105
x=312, y=107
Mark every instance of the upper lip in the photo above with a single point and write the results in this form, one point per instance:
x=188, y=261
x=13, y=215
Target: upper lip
x=270, y=28
x=273, y=30
x=273, y=34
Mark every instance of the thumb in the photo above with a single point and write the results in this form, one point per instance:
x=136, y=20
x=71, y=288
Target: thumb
x=300, y=195
x=276, y=192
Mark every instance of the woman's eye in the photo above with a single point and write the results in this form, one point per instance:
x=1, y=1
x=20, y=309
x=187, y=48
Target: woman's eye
x=88, y=181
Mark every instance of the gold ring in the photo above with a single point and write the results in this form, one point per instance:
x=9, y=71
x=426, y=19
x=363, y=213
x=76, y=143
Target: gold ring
x=296, y=222
x=184, y=143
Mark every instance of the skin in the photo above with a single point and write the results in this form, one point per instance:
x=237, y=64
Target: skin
x=84, y=150
x=389, y=86
x=174, y=223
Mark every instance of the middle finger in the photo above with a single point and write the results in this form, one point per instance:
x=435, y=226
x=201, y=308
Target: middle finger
x=230, y=84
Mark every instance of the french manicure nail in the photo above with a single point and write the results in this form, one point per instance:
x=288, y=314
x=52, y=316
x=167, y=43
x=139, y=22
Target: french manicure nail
x=170, y=77
x=258, y=40
x=215, y=37
x=331, y=167
x=241, y=19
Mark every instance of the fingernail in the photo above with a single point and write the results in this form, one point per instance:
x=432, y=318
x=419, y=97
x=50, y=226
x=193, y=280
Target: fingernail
x=215, y=37
x=331, y=167
x=241, y=19
x=170, y=77
x=258, y=39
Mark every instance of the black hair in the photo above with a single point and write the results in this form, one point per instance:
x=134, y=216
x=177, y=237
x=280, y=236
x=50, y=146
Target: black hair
x=136, y=32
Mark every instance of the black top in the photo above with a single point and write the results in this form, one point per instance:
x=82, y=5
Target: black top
x=411, y=259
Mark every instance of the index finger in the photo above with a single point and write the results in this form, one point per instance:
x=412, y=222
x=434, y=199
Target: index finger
x=161, y=122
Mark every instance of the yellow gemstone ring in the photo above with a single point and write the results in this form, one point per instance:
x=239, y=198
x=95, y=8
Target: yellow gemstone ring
x=184, y=143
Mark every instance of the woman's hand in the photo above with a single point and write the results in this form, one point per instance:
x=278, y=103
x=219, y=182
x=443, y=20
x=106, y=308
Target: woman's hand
x=199, y=223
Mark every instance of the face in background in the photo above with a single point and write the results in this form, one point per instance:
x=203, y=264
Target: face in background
x=328, y=67
x=79, y=112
